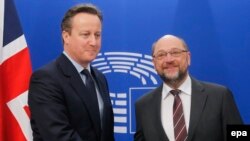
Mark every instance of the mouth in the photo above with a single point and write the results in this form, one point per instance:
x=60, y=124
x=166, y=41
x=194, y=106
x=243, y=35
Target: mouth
x=91, y=51
x=170, y=67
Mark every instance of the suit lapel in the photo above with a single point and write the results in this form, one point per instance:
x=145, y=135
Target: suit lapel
x=76, y=82
x=198, y=100
x=107, y=117
x=156, y=105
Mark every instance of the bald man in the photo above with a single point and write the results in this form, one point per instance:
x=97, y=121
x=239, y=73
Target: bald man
x=182, y=108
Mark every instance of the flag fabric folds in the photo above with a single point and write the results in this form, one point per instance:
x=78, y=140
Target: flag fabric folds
x=15, y=71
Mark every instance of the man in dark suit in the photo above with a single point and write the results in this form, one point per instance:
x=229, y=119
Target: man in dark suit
x=63, y=105
x=182, y=108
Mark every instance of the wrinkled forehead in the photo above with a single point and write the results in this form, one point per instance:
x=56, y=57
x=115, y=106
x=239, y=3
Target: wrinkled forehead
x=169, y=42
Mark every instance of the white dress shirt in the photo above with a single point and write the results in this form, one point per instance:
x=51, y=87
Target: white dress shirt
x=167, y=106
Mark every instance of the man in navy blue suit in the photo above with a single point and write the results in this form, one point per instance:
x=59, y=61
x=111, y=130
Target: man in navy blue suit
x=62, y=106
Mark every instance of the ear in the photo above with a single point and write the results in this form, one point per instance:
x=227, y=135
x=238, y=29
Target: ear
x=65, y=36
x=189, y=58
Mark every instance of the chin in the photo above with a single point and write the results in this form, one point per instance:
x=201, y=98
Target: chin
x=92, y=56
x=90, y=60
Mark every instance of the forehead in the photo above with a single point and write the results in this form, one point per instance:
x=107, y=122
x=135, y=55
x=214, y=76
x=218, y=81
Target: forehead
x=167, y=43
x=85, y=18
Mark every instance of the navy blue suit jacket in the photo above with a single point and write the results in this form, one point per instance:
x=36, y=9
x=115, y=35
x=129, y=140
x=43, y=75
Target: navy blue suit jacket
x=61, y=108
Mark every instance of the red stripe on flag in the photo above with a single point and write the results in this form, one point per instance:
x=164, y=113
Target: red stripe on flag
x=14, y=77
x=11, y=129
x=27, y=110
x=15, y=74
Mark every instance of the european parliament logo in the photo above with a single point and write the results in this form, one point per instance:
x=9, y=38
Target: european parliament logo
x=130, y=75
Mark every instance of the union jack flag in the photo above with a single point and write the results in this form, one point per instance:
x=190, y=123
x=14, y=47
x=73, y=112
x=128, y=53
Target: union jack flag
x=15, y=71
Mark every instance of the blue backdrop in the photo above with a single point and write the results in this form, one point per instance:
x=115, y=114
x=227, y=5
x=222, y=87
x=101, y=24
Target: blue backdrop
x=216, y=31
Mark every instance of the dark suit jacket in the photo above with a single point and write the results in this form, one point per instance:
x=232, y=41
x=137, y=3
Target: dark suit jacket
x=61, y=109
x=212, y=108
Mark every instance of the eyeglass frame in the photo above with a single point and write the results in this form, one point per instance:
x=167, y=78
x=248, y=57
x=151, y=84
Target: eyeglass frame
x=174, y=53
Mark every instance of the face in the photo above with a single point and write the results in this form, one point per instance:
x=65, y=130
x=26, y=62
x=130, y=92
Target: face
x=173, y=68
x=84, y=42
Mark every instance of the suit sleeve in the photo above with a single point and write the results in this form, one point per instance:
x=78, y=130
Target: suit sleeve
x=49, y=118
x=230, y=112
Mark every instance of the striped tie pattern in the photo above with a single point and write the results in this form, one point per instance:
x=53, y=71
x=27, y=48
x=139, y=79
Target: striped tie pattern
x=180, y=130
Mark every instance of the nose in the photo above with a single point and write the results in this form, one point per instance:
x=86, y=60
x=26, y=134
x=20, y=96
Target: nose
x=92, y=40
x=168, y=58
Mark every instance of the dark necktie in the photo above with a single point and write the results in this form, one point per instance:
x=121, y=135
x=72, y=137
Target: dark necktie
x=180, y=131
x=90, y=85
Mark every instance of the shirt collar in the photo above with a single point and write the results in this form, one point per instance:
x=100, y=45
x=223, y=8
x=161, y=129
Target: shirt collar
x=185, y=88
x=78, y=67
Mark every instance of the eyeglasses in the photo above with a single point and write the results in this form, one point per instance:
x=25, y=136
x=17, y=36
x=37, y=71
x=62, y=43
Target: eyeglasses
x=174, y=53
